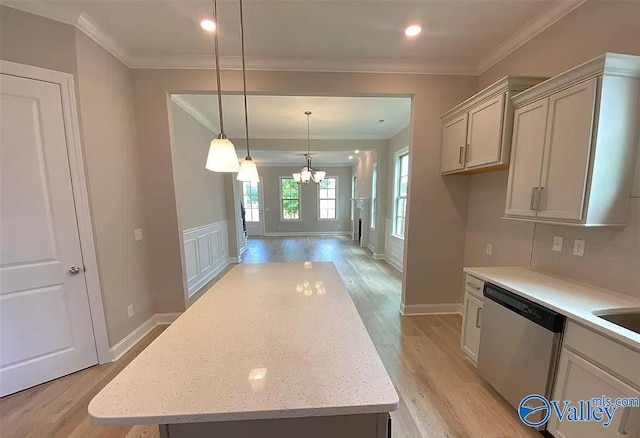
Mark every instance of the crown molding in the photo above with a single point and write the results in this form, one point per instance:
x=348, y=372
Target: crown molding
x=527, y=32
x=442, y=67
x=94, y=31
x=193, y=112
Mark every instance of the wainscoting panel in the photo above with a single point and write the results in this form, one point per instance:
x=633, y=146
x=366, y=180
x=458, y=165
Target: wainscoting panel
x=206, y=254
x=394, y=247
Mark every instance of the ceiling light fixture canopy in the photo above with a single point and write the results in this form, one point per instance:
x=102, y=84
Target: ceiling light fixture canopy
x=248, y=170
x=222, y=155
x=308, y=173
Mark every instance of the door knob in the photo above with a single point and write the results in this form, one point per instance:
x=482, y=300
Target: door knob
x=75, y=270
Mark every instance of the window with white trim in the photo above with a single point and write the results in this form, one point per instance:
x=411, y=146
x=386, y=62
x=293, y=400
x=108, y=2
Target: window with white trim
x=250, y=196
x=328, y=198
x=289, y=199
x=401, y=191
x=374, y=194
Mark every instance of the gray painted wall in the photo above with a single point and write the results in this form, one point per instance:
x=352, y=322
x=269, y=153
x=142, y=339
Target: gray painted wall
x=309, y=222
x=200, y=193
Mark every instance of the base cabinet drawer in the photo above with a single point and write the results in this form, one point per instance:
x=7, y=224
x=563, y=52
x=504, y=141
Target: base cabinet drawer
x=471, y=323
x=579, y=379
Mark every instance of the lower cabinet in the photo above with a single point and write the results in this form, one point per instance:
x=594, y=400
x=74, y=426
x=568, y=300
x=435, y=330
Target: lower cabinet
x=471, y=323
x=592, y=366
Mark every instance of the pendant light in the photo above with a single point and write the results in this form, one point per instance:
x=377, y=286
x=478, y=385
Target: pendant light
x=248, y=170
x=222, y=155
x=308, y=173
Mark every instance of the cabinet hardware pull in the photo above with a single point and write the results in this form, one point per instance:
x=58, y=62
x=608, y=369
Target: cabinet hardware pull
x=534, y=190
x=622, y=429
x=460, y=154
x=473, y=286
x=466, y=153
x=478, y=317
x=539, y=203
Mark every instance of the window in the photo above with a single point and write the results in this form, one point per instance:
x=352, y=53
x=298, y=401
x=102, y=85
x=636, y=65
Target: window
x=289, y=199
x=327, y=198
x=251, y=201
x=401, y=187
x=374, y=192
x=353, y=195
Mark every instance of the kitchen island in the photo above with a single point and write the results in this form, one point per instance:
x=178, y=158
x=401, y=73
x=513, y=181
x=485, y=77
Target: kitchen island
x=270, y=350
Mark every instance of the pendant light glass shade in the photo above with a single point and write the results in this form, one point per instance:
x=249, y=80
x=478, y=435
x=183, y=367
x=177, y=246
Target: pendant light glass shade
x=248, y=171
x=222, y=156
x=297, y=177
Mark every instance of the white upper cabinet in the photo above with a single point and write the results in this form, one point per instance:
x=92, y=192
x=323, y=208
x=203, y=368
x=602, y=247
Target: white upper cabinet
x=476, y=134
x=454, y=139
x=573, y=145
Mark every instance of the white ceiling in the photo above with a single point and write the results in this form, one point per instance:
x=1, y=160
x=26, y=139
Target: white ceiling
x=282, y=117
x=459, y=36
x=296, y=159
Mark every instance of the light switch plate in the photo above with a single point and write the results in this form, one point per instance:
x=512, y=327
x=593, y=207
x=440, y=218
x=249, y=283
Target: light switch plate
x=489, y=249
x=557, y=243
x=578, y=247
x=137, y=234
x=130, y=310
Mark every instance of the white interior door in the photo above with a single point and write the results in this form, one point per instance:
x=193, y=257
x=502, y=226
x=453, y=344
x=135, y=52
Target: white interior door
x=567, y=152
x=529, y=127
x=253, y=207
x=45, y=323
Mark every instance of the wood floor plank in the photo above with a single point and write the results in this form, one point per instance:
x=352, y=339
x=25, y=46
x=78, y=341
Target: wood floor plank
x=441, y=394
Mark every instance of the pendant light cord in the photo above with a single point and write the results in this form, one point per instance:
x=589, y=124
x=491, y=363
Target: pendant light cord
x=217, y=56
x=244, y=80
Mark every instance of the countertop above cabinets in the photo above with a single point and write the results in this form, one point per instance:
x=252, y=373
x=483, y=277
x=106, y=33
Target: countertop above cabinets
x=477, y=133
x=574, y=141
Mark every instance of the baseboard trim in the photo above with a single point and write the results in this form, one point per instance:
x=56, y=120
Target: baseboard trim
x=307, y=234
x=166, y=318
x=393, y=262
x=430, y=309
x=129, y=341
x=378, y=256
x=371, y=248
x=235, y=260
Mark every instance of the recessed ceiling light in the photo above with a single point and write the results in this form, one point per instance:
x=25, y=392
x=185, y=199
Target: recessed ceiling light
x=412, y=30
x=208, y=25
x=351, y=157
x=357, y=151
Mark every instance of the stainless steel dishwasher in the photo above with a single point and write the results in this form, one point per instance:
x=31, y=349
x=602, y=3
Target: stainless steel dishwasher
x=519, y=345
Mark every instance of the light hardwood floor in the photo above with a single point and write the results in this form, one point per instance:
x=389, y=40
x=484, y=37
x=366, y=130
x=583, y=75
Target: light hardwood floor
x=441, y=394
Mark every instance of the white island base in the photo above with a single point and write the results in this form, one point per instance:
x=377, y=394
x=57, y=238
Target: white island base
x=338, y=426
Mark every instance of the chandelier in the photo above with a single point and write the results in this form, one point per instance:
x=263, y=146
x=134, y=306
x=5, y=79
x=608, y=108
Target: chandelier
x=308, y=173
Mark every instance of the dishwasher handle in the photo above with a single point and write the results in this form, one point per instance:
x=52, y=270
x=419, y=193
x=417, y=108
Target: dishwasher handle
x=547, y=318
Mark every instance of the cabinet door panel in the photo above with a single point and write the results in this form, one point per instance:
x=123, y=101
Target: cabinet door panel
x=484, y=140
x=579, y=379
x=527, y=149
x=472, y=320
x=567, y=152
x=454, y=140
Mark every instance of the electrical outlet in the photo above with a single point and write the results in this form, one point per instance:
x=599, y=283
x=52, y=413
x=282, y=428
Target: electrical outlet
x=489, y=249
x=557, y=243
x=130, y=310
x=578, y=247
x=137, y=234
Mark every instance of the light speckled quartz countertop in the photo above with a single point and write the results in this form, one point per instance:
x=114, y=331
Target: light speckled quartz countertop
x=575, y=300
x=275, y=340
